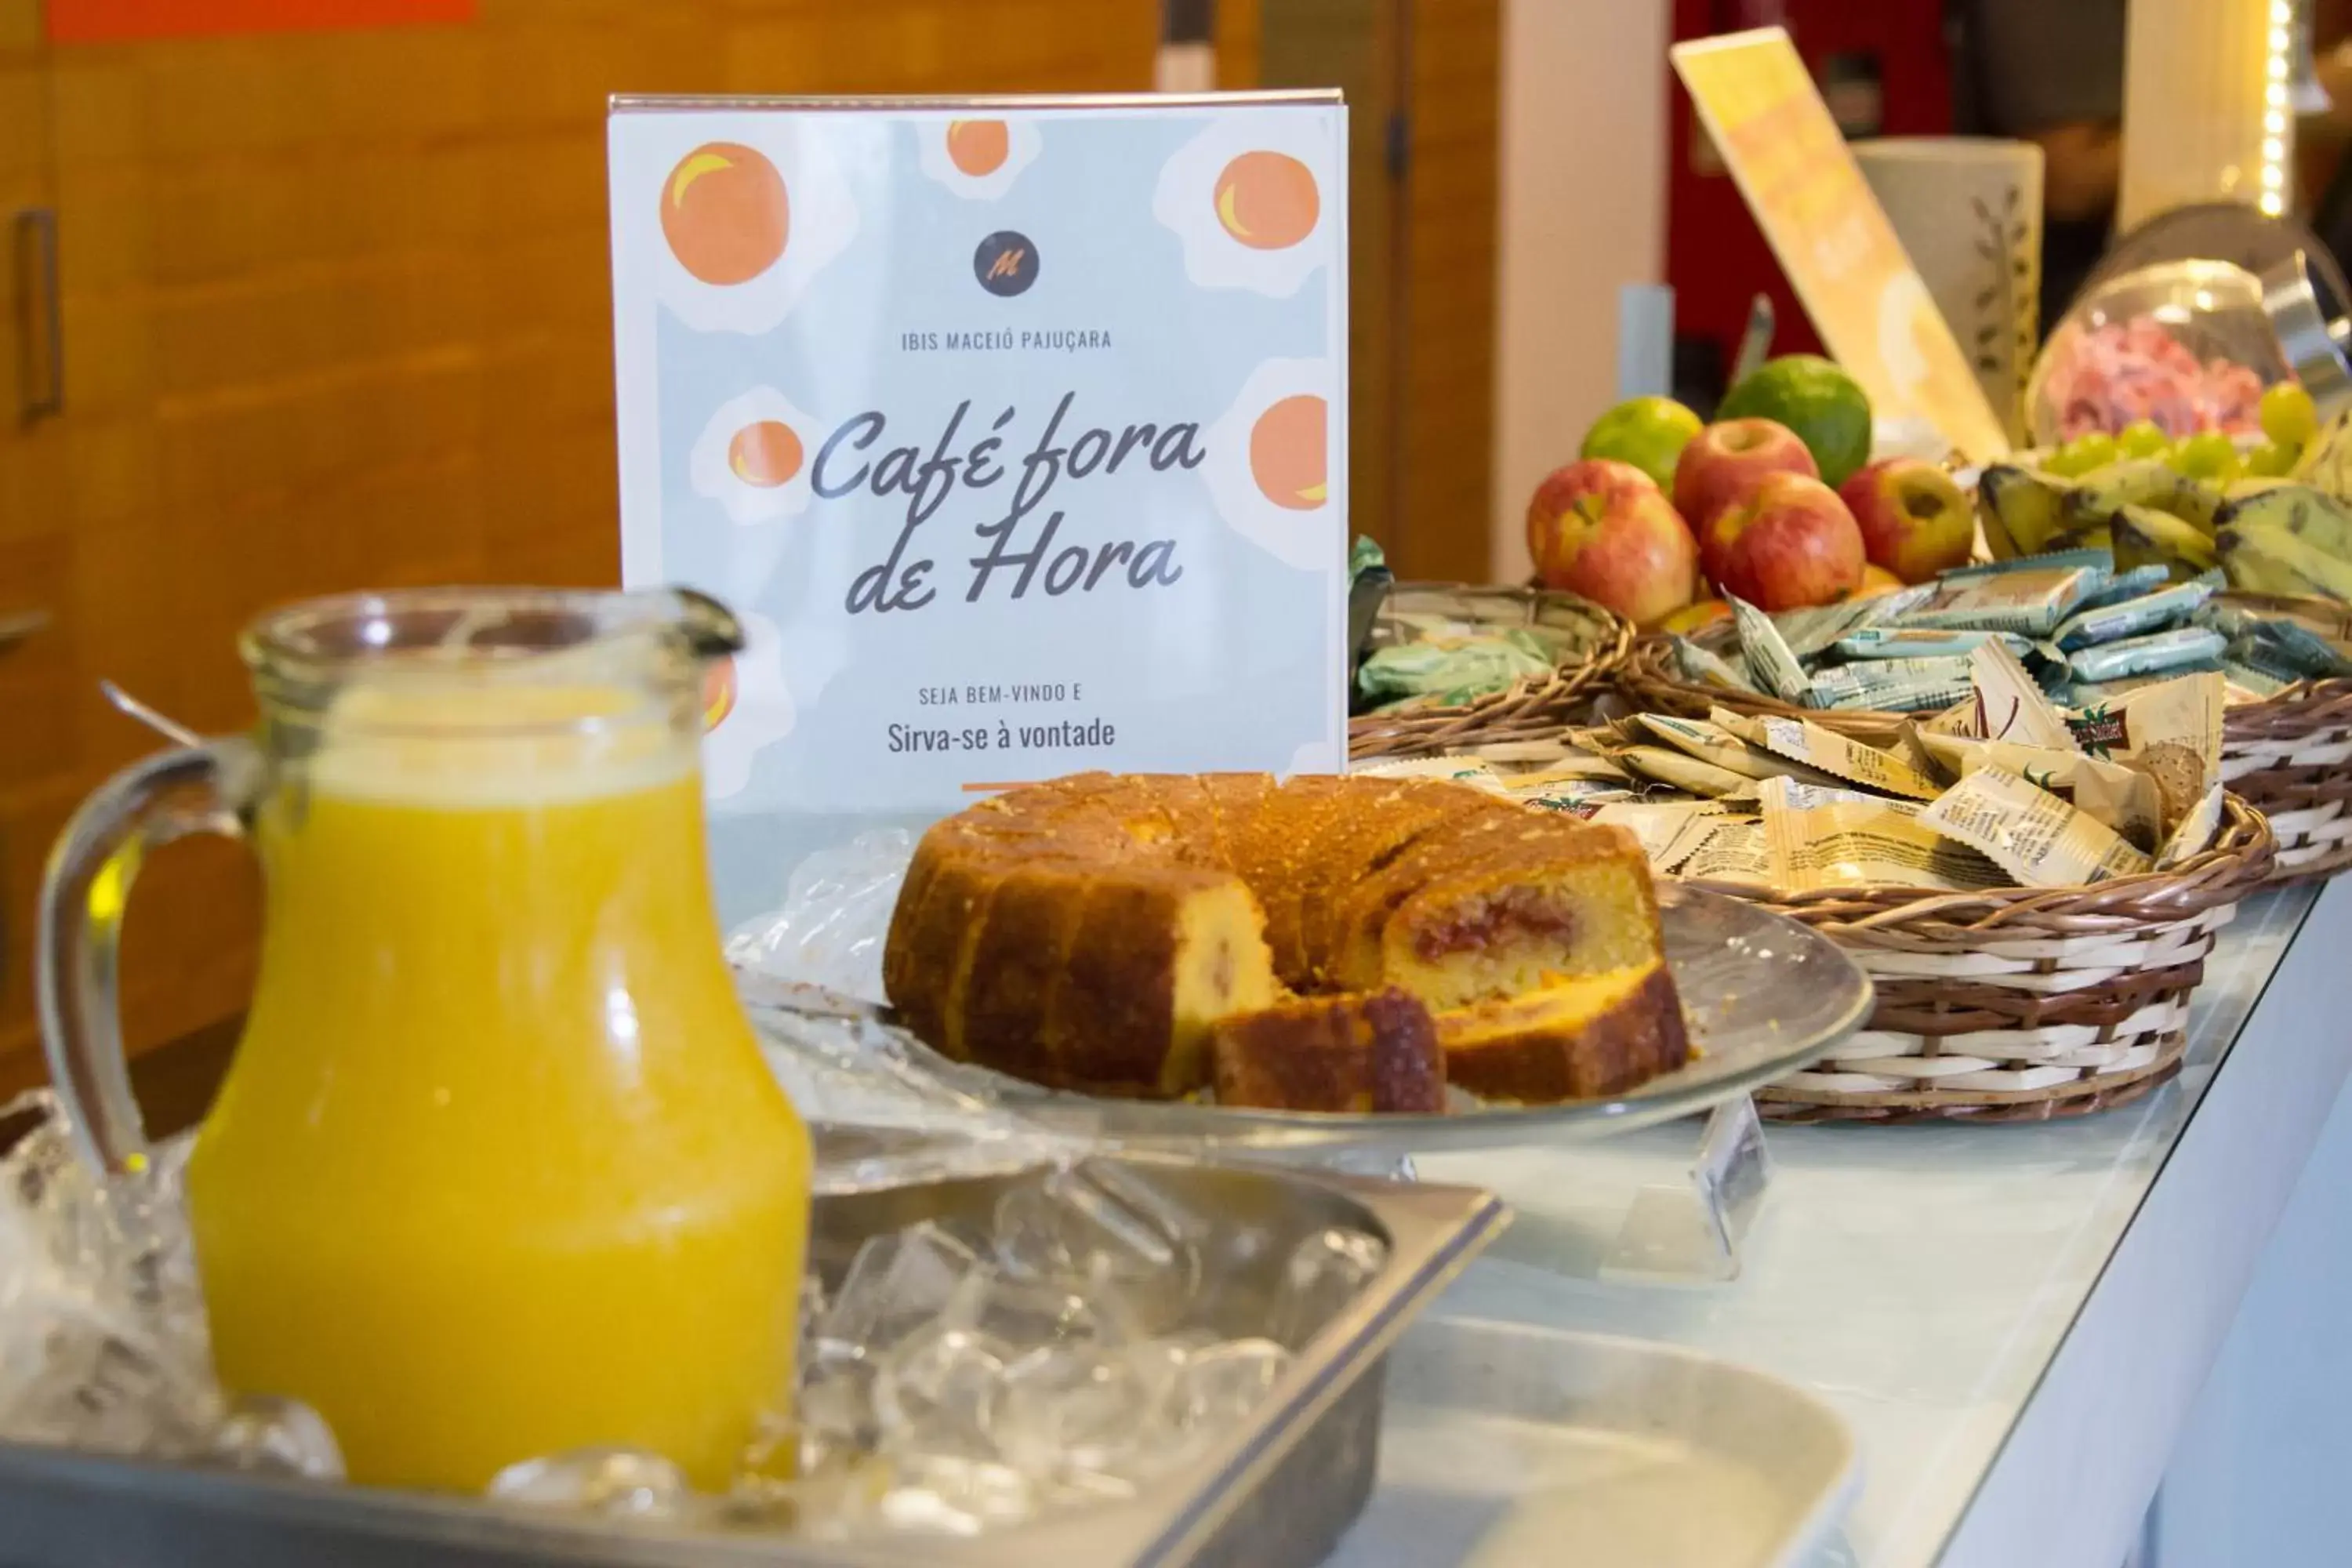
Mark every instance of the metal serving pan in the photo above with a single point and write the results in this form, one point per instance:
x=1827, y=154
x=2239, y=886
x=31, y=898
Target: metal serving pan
x=1277, y=1494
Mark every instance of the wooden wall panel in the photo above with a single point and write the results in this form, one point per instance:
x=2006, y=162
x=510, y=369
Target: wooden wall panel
x=338, y=315
x=1446, y=423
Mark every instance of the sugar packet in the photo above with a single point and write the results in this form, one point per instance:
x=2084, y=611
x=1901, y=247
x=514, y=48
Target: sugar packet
x=2129, y=584
x=2028, y=595
x=1769, y=659
x=1843, y=763
x=1844, y=838
x=1679, y=770
x=2029, y=833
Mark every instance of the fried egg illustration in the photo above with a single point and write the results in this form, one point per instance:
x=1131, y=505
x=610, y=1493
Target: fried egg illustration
x=978, y=159
x=1271, y=462
x=747, y=225
x=1244, y=200
x=746, y=707
x=752, y=457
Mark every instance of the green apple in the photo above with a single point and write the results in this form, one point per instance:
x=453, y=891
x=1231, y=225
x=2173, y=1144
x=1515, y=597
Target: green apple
x=1648, y=432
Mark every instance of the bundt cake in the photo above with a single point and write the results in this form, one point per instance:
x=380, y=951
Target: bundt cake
x=1358, y=1052
x=1572, y=1040
x=1090, y=933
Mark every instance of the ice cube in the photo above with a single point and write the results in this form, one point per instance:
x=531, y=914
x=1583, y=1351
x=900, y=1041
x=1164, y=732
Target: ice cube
x=898, y=1283
x=612, y=1483
x=1027, y=1314
x=1322, y=1275
x=931, y=1392
x=68, y=1380
x=1107, y=1230
x=951, y=1495
x=1218, y=1387
x=275, y=1436
x=834, y=1411
x=1078, y=1406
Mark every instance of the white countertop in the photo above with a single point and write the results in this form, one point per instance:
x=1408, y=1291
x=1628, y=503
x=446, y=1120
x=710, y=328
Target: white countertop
x=2015, y=1319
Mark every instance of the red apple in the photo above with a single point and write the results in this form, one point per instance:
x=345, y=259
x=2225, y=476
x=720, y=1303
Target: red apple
x=1603, y=528
x=1791, y=543
x=1723, y=462
x=1915, y=521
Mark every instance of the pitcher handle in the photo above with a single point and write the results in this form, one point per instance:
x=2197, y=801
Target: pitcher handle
x=85, y=889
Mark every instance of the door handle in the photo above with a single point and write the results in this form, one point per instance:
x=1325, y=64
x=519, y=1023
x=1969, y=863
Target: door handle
x=41, y=347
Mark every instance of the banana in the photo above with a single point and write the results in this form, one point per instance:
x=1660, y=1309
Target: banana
x=2326, y=463
x=2022, y=509
x=2144, y=482
x=2242, y=490
x=2142, y=535
x=2316, y=518
x=2262, y=554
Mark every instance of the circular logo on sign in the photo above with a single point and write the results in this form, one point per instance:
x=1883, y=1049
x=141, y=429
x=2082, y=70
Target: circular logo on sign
x=1005, y=263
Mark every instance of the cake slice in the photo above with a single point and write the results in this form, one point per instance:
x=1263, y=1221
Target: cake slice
x=1367, y=1053
x=1162, y=953
x=1377, y=827
x=1575, y=901
x=1573, y=1040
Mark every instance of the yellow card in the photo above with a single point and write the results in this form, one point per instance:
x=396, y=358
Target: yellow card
x=1760, y=104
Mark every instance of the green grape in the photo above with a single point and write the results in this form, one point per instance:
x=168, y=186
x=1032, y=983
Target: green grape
x=2207, y=455
x=2271, y=461
x=2143, y=438
x=2083, y=453
x=2289, y=417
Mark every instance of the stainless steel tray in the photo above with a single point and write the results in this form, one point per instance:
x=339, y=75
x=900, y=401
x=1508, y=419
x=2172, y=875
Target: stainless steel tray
x=1277, y=1494
x=1510, y=1444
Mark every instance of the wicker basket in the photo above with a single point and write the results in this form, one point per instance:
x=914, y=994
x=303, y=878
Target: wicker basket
x=2089, y=985
x=2290, y=755
x=1531, y=710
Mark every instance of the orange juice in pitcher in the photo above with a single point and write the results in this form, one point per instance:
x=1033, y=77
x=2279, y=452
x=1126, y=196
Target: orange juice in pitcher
x=497, y=1170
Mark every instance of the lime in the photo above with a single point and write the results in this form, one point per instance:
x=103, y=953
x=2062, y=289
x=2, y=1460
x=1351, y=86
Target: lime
x=2081, y=454
x=2144, y=438
x=1821, y=403
x=2207, y=455
x=2271, y=461
x=2289, y=417
x=1648, y=432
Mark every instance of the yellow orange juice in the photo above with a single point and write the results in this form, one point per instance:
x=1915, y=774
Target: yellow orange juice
x=498, y=1171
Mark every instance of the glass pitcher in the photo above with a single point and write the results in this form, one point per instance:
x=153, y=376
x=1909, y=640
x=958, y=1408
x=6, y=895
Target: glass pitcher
x=497, y=1170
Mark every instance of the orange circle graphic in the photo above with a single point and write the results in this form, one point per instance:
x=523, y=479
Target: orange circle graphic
x=979, y=147
x=718, y=692
x=767, y=454
x=725, y=214
x=1289, y=453
x=1267, y=200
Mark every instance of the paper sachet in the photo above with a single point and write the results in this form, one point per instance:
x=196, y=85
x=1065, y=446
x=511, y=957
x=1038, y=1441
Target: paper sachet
x=1826, y=753
x=1732, y=849
x=1844, y=838
x=2170, y=731
x=2028, y=595
x=2011, y=705
x=1770, y=661
x=2123, y=798
x=1668, y=831
x=2029, y=833
x=1710, y=741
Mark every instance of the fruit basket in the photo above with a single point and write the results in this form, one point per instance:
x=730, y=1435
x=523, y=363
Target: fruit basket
x=2018, y=1004
x=1582, y=643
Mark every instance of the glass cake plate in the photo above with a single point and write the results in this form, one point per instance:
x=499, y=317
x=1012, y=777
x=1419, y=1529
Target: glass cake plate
x=1766, y=996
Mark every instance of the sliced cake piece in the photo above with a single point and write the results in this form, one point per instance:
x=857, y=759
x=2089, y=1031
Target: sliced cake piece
x=1575, y=1040
x=1364, y=1053
x=1573, y=902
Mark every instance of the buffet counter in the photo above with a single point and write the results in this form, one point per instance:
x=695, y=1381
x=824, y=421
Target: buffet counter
x=2016, y=1320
